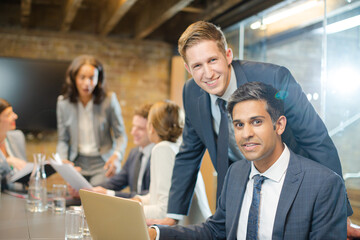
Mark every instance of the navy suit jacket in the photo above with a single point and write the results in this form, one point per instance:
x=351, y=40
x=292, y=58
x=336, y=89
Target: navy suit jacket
x=312, y=205
x=305, y=132
x=126, y=177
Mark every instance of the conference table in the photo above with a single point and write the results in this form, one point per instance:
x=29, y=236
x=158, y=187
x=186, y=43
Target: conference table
x=17, y=223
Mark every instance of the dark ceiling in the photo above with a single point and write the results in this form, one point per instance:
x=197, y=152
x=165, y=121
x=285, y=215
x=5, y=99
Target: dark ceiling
x=162, y=20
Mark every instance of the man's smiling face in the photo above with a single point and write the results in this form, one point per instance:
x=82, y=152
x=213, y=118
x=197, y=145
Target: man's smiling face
x=209, y=66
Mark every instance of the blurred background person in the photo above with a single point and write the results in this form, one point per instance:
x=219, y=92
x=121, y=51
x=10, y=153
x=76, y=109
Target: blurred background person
x=165, y=123
x=12, y=142
x=136, y=170
x=91, y=131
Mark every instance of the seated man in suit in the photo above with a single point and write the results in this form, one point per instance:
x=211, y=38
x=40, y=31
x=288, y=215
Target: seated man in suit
x=136, y=170
x=275, y=194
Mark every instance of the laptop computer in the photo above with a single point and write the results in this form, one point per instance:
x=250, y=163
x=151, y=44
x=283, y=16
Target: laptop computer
x=113, y=217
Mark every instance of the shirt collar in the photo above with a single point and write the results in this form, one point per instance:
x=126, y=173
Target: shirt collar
x=88, y=106
x=147, y=149
x=277, y=170
x=229, y=91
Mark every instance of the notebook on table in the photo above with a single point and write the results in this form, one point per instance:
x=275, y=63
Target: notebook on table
x=115, y=218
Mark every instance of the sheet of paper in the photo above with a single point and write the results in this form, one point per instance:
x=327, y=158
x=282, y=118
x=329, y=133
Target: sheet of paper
x=70, y=175
x=22, y=173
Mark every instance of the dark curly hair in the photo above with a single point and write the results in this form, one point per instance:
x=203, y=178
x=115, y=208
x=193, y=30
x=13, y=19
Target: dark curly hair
x=166, y=119
x=70, y=91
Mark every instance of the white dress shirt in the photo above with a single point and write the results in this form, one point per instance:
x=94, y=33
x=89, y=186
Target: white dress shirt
x=234, y=152
x=86, y=134
x=146, y=151
x=269, y=197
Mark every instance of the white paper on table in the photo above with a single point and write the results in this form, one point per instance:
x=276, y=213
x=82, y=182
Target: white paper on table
x=70, y=175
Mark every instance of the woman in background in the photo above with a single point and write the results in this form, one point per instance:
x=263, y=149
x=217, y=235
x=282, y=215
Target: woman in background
x=12, y=142
x=91, y=131
x=164, y=128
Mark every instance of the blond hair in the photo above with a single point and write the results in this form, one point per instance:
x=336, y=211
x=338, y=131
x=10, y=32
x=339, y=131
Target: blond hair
x=166, y=119
x=200, y=31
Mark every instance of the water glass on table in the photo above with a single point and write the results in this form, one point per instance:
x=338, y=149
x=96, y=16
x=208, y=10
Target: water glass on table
x=59, y=201
x=73, y=224
x=86, y=231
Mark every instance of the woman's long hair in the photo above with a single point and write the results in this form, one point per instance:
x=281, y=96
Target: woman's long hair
x=70, y=91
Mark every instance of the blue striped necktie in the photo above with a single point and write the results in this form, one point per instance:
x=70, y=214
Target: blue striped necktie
x=253, y=219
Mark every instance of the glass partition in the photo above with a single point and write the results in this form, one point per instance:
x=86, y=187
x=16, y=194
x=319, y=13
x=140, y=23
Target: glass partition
x=319, y=42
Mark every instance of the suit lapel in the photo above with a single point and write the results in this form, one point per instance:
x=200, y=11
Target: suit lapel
x=74, y=124
x=239, y=73
x=237, y=196
x=205, y=117
x=292, y=182
x=96, y=115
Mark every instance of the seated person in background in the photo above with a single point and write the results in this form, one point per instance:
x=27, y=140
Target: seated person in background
x=275, y=194
x=136, y=170
x=12, y=142
x=91, y=131
x=164, y=128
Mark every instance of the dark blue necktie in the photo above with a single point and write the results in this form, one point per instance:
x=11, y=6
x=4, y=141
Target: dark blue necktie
x=253, y=220
x=222, y=159
x=136, y=172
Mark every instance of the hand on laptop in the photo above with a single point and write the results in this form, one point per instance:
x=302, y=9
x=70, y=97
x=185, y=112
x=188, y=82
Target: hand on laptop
x=353, y=231
x=152, y=233
x=72, y=191
x=136, y=199
x=99, y=189
x=164, y=221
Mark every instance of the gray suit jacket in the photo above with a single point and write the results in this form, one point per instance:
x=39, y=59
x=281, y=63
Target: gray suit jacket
x=107, y=119
x=17, y=143
x=16, y=140
x=312, y=205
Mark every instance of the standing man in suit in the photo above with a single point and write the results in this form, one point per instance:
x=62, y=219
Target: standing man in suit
x=136, y=171
x=275, y=194
x=215, y=77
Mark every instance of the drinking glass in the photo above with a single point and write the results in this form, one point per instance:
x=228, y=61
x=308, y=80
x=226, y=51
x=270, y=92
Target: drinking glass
x=73, y=225
x=59, y=194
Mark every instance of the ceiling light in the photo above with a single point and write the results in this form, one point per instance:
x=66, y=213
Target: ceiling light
x=343, y=25
x=285, y=13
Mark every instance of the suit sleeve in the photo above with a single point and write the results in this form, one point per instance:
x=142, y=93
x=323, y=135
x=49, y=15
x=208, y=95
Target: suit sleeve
x=17, y=144
x=329, y=218
x=213, y=228
x=120, y=180
x=118, y=127
x=307, y=128
x=63, y=133
x=187, y=165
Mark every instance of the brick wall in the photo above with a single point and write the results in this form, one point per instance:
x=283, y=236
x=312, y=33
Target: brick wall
x=137, y=71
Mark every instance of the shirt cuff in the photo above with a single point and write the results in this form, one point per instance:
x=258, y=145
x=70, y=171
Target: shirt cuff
x=157, y=232
x=110, y=192
x=175, y=216
x=118, y=154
